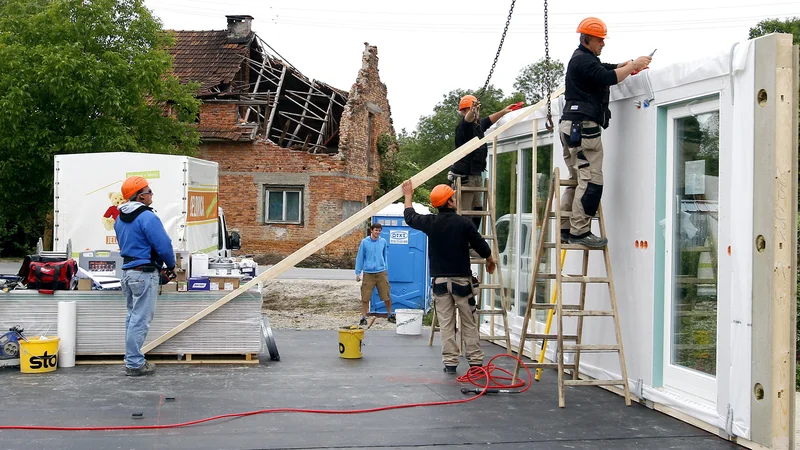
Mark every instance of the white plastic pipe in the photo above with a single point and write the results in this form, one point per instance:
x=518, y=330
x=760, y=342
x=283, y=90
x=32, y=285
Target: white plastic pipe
x=67, y=320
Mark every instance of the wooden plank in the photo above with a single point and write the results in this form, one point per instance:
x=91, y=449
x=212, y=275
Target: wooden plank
x=277, y=98
x=353, y=221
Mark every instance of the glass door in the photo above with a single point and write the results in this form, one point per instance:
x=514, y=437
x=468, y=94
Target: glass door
x=692, y=253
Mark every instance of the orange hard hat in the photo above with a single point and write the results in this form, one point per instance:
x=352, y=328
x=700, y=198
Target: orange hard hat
x=440, y=194
x=133, y=185
x=467, y=101
x=593, y=27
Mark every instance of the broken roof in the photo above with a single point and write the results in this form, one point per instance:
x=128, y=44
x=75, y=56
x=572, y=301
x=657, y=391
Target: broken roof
x=207, y=57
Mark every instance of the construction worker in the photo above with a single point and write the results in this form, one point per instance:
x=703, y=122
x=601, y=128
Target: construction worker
x=585, y=114
x=450, y=236
x=372, y=259
x=145, y=247
x=470, y=168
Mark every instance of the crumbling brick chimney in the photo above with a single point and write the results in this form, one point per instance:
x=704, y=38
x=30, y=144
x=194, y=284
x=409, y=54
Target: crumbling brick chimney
x=239, y=29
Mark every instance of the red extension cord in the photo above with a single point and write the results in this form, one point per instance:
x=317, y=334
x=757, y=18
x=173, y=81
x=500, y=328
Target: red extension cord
x=474, y=375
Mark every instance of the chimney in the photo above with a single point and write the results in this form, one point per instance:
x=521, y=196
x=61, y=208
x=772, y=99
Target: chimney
x=239, y=29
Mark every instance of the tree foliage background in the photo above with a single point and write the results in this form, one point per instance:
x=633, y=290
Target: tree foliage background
x=534, y=79
x=80, y=76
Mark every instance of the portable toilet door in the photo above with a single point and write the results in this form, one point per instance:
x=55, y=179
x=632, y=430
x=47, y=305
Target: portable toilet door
x=408, y=270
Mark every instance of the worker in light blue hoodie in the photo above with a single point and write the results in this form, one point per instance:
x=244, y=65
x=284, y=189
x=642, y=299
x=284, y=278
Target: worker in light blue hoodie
x=145, y=248
x=372, y=260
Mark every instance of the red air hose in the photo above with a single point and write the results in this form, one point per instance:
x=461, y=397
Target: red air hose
x=474, y=374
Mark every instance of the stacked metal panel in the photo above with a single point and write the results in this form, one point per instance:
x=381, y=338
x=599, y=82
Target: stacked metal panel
x=234, y=328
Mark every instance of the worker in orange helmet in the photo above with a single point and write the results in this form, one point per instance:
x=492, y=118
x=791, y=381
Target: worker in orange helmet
x=470, y=168
x=584, y=117
x=450, y=237
x=145, y=247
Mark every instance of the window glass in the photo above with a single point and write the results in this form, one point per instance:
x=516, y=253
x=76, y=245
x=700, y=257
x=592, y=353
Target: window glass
x=292, y=206
x=275, y=206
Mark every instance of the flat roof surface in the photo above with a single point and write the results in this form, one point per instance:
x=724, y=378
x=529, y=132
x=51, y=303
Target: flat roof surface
x=395, y=369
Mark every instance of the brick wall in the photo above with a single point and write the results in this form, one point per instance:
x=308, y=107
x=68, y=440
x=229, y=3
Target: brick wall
x=367, y=97
x=327, y=181
x=246, y=169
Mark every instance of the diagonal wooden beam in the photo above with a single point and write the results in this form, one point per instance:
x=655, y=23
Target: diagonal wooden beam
x=352, y=222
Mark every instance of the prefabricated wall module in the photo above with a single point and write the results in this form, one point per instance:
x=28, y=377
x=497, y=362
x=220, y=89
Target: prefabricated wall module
x=700, y=202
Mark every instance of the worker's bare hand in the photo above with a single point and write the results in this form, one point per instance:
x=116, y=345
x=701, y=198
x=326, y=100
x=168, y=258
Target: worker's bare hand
x=642, y=62
x=408, y=189
x=358, y=277
x=491, y=265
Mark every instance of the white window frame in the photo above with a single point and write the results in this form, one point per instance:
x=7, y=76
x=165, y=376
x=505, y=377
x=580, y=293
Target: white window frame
x=283, y=189
x=693, y=384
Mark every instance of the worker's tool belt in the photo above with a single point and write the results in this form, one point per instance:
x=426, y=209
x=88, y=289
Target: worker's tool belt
x=143, y=268
x=451, y=178
x=449, y=287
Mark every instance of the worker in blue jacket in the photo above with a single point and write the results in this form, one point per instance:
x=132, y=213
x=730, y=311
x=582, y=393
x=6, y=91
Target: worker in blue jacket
x=372, y=261
x=145, y=248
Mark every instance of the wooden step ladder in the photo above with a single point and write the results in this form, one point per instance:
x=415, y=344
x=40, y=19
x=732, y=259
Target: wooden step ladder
x=558, y=308
x=491, y=283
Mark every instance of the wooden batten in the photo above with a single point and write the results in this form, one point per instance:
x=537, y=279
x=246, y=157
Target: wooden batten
x=353, y=221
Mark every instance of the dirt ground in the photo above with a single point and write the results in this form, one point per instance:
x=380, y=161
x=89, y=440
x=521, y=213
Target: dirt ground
x=315, y=305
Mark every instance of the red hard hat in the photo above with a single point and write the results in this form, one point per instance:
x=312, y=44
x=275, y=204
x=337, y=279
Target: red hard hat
x=593, y=27
x=440, y=194
x=467, y=101
x=133, y=185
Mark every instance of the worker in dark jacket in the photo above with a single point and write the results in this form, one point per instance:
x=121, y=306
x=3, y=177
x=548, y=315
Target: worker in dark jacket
x=145, y=248
x=585, y=114
x=450, y=236
x=470, y=168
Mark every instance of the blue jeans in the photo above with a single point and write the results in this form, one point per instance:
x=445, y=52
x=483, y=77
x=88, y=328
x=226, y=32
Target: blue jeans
x=141, y=290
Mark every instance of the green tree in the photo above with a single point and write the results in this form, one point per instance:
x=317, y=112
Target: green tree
x=790, y=26
x=532, y=80
x=435, y=133
x=80, y=76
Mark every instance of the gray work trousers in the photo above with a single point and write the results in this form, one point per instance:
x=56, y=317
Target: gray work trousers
x=585, y=164
x=446, y=304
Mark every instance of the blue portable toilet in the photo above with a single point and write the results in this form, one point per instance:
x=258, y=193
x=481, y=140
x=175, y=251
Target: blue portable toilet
x=408, y=272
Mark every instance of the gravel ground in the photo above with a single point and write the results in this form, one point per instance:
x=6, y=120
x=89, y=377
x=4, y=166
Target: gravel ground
x=316, y=305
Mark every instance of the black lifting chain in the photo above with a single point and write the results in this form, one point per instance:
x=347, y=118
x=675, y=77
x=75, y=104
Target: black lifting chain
x=497, y=55
x=547, y=81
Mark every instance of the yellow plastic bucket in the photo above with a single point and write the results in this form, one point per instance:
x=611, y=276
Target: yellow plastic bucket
x=38, y=355
x=350, y=341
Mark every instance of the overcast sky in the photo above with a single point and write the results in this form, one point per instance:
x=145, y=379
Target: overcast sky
x=428, y=48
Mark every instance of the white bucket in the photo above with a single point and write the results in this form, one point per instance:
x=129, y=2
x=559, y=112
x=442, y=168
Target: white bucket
x=409, y=321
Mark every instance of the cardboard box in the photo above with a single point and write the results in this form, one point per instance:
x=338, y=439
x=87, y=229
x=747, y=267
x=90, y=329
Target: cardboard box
x=183, y=286
x=85, y=284
x=170, y=287
x=180, y=275
x=224, y=283
x=199, y=284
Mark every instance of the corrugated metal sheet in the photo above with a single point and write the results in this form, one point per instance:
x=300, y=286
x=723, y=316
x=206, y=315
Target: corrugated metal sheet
x=234, y=328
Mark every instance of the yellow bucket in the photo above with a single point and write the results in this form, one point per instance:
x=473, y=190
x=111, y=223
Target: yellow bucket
x=350, y=342
x=38, y=355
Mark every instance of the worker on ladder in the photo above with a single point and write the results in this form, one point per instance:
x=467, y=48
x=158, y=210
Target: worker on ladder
x=585, y=112
x=470, y=168
x=450, y=237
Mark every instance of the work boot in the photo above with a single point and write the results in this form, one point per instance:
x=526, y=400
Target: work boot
x=363, y=321
x=450, y=370
x=147, y=369
x=391, y=318
x=589, y=240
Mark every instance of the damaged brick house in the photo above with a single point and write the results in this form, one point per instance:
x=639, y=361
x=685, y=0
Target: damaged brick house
x=296, y=156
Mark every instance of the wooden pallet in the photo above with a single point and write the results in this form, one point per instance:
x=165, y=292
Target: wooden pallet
x=195, y=358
